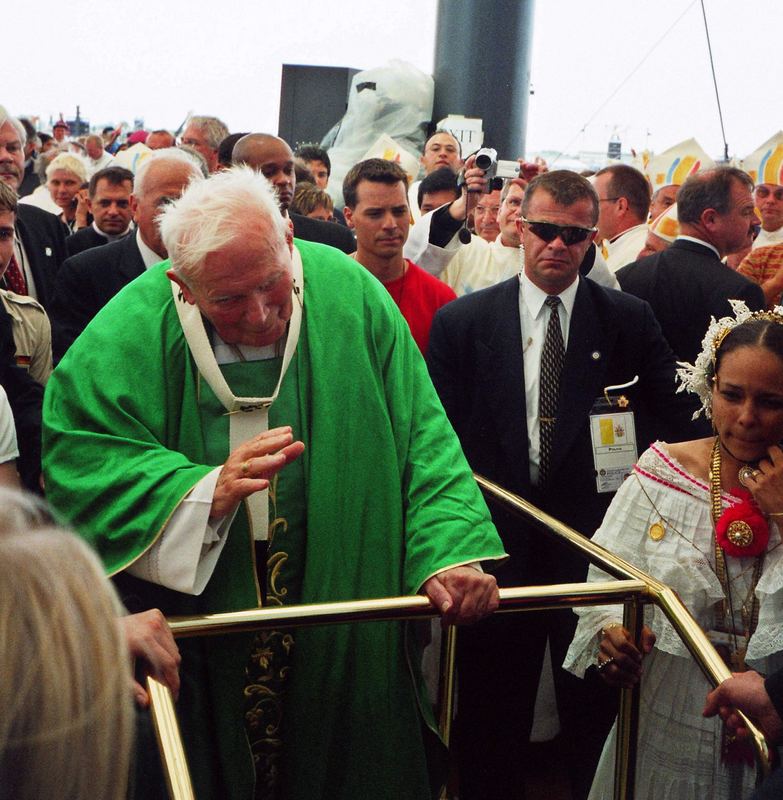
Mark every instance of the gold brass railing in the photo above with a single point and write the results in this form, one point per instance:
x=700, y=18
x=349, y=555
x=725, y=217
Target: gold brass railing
x=633, y=588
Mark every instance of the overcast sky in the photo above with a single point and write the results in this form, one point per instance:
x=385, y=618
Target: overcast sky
x=160, y=60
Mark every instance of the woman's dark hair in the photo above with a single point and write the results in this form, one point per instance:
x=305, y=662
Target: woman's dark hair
x=758, y=332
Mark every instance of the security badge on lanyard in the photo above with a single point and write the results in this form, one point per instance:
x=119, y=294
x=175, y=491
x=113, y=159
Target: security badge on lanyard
x=613, y=435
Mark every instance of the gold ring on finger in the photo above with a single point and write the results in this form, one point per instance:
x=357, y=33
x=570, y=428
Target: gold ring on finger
x=245, y=467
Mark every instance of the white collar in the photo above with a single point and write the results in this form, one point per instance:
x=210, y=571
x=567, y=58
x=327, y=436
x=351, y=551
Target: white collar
x=112, y=237
x=627, y=231
x=535, y=298
x=148, y=255
x=684, y=238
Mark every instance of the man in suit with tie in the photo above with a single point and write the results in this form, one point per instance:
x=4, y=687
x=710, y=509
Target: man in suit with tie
x=87, y=281
x=39, y=246
x=518, y=367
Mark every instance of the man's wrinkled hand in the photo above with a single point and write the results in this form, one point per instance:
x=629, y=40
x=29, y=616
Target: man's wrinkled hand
x=462, y=595
x=250, y=467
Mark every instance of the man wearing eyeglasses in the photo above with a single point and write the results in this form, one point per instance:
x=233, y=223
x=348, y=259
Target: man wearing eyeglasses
x=623, y=205
x=764, y=167
x=488, y=355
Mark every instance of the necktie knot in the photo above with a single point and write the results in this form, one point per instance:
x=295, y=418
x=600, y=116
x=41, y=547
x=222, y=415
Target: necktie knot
x=14, y=277
x=553, y=301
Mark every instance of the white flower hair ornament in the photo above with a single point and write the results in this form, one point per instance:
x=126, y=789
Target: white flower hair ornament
x=698, y=378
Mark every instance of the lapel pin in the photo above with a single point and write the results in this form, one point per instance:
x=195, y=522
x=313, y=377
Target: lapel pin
x=595, y=355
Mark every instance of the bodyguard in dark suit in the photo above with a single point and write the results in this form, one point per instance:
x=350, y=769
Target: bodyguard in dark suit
x=87, y=281
x=487, y=351
x=109, y=202
x=274, y=159
x=687, y=283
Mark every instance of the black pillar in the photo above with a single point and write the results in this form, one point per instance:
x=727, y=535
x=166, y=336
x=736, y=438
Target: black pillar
x=482, y=67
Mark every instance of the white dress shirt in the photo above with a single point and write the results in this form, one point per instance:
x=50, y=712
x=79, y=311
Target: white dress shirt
x=533, y=319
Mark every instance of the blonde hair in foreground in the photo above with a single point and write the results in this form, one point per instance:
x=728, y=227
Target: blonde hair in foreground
x=66, y=727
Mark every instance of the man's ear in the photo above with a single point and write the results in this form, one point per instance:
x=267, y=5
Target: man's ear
x=708, y=218
x=348, y=214
x=134, y=206
x=188, y=296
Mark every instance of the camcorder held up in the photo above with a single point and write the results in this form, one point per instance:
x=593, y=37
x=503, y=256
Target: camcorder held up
x=495, y=171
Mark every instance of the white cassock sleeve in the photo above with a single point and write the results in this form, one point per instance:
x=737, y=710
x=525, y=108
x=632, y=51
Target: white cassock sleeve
x=184, y=556
x=428, y=256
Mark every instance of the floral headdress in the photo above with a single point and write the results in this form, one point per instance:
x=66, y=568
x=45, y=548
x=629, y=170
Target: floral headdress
x=697, y=378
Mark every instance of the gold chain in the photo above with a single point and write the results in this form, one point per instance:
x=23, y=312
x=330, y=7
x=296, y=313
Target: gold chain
x=750, y=617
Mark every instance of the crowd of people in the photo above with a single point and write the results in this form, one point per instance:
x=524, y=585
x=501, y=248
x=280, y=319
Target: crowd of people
x=260, y=391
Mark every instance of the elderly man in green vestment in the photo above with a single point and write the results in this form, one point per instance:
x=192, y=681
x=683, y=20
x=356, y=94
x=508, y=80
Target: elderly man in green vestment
x=249, y=423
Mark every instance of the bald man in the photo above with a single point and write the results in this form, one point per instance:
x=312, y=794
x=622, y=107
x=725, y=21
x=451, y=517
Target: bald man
x=274, y=159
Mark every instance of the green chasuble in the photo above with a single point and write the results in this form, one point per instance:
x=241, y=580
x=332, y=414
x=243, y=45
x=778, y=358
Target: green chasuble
x=388, y=501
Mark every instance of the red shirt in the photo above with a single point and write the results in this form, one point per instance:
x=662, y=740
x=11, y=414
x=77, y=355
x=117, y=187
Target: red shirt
x=418, y=296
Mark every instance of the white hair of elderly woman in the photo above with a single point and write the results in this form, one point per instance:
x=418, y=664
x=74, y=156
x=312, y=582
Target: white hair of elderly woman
x=72, y=162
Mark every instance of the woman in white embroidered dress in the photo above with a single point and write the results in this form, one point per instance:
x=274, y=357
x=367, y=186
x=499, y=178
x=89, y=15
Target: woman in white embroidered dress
x=662, y=520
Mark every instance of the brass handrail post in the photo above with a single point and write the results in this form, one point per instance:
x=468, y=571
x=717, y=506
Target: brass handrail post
x=447, y=683
x=628, y=715
x=164, y=719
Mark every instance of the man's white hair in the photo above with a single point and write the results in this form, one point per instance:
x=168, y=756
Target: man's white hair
x=168, y=155
x=18, y=127
x=213, y=213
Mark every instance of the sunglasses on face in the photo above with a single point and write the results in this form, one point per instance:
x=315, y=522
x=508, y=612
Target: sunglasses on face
x=548, y=232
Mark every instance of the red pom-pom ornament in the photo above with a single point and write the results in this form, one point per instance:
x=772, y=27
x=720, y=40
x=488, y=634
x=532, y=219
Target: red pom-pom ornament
x=742, y=531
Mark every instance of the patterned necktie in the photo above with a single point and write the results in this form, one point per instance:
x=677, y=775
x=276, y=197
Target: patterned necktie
x=14, y=279
x=552, y=358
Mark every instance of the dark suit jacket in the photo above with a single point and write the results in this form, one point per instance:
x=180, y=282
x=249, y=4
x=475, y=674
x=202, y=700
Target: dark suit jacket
x=85, y=284
x=30, y=181
x=83, y=240
x=687, y=284
x=476, y=363
x=43, y=238
x=316, y=230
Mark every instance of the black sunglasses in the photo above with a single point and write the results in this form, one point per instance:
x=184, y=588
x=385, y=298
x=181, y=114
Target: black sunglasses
x=548, y=232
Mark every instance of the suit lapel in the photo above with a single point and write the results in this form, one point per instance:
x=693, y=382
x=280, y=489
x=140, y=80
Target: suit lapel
x=502, y=379
x=590, y=344
x=131, y=263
